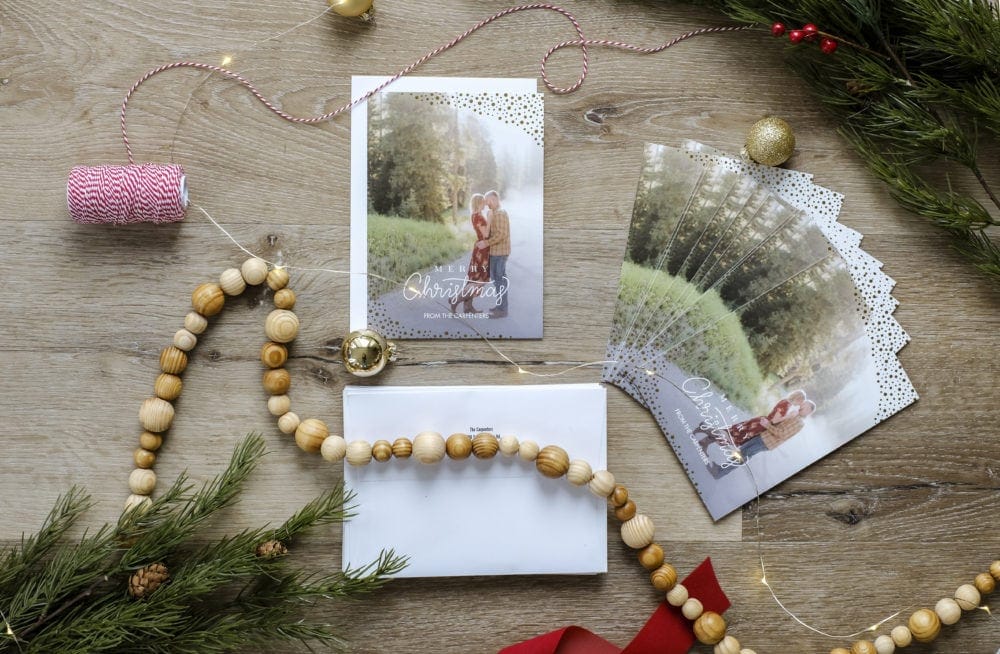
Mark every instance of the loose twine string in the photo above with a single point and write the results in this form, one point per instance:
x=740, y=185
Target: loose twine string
x=581, y=42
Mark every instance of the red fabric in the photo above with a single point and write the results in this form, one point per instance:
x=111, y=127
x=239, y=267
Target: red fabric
x=666, y=631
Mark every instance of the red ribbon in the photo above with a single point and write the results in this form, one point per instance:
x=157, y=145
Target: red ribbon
x=666, y=632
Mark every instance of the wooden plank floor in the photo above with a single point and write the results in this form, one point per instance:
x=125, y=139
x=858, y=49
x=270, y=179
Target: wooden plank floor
x=897, y=518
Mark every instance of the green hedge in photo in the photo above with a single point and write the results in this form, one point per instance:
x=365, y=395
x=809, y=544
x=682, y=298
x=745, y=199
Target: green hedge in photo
x=399, y=247
x=721, y=351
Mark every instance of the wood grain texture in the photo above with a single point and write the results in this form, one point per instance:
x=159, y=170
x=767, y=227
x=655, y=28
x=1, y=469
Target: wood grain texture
x=899, y=517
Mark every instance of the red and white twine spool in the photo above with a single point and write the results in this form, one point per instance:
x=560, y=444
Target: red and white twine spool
x=119, y=195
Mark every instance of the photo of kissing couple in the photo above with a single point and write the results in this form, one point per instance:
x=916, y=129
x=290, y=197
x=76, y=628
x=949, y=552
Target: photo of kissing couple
x=742, y=441
x=488, y=263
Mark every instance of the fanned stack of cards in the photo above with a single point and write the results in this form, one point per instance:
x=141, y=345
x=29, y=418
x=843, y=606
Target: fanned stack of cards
x=750, y=322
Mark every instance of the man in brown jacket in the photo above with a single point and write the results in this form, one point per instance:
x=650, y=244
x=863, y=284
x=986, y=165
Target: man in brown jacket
x=499, y=242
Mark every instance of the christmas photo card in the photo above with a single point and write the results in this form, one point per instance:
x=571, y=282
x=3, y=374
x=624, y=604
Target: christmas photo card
x=446, y=213
x=750, y=323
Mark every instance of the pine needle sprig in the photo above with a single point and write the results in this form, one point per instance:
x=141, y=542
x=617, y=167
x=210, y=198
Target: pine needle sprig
x=221, y=596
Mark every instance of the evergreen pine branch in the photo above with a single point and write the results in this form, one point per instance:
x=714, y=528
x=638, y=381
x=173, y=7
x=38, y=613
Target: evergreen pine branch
x=333, y=506
x=221, y=597
x=163, y=534
x=952, y=38
x=16, y=562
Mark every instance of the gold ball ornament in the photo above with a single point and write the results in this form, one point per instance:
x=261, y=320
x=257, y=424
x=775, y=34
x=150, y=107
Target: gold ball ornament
x=366, y=353
x=770, y=141
x=352, y=8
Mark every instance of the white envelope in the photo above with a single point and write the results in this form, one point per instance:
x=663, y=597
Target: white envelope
x=478, y=517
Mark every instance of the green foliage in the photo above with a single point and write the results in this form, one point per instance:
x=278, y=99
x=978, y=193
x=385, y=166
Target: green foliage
x=721, y=351
x=221, y=597
x=914, y=84
x=399, y=247
x=424, y=157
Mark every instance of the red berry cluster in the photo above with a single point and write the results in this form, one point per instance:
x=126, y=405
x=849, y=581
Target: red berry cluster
x=809, y=32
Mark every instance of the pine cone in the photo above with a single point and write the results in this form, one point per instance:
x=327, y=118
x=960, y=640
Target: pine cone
x=271, y=549
x=145, y=581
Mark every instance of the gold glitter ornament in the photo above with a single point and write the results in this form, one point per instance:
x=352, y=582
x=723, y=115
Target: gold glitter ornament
x=352, y=8
x=366, y=352
x=770, y=141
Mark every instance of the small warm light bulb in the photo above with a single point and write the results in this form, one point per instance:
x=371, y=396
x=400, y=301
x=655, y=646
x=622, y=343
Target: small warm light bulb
x=650, y=372
x=10, y=632
x=414, y=289
x=521, y=371
x=763, y=580
x=227, y=60
x=986, y=608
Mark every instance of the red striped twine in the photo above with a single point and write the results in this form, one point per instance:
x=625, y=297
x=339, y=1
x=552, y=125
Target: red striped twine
x=119, y=195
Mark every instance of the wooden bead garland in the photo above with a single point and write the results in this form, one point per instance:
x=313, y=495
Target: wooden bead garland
x=458, y=446
x=552, y=461
x=312, y=435
x=485, y=446
x=924, y=625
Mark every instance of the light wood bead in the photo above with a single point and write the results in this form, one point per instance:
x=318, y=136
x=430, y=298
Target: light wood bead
x=747, y=650
x=579, y=472
x=155, y=415
x=509, y=445
x=995, y=570
x=137, y=502
x=334, y=449
x=195, y=323
x=664, y=579
x=602, y=484
x=144, y=458
x=142, y=481
x=840, y=650
x=402, y=448
x=381, y=450
x=273, y=355
x=863, y=647
x=692, y=608
x=985, y=583
x=359, y=453
x=310, y=434
x=625, y=511
x=727, y=645
x=277, y=381
x=638, y=532
x=901, y=635
x=279, y=405
x=948, y=611
x=651, y=556
x=428, y=447
x=208, y=299
x=288, y=423
x=458, y=446
x=231, y=281
x=167, y=387
x=552, y=461
x=173, y=360
x=284, y=299
x=281, y=326
x=709, y=628
x=485, y=445
x=925, y=625
x=277, y=279
x=254, y=271
x=968, y=597
x=528, y=450
x=150, y=441
x=185, y=340
x=884, y=645
x=619, y=496
x=677, y=595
